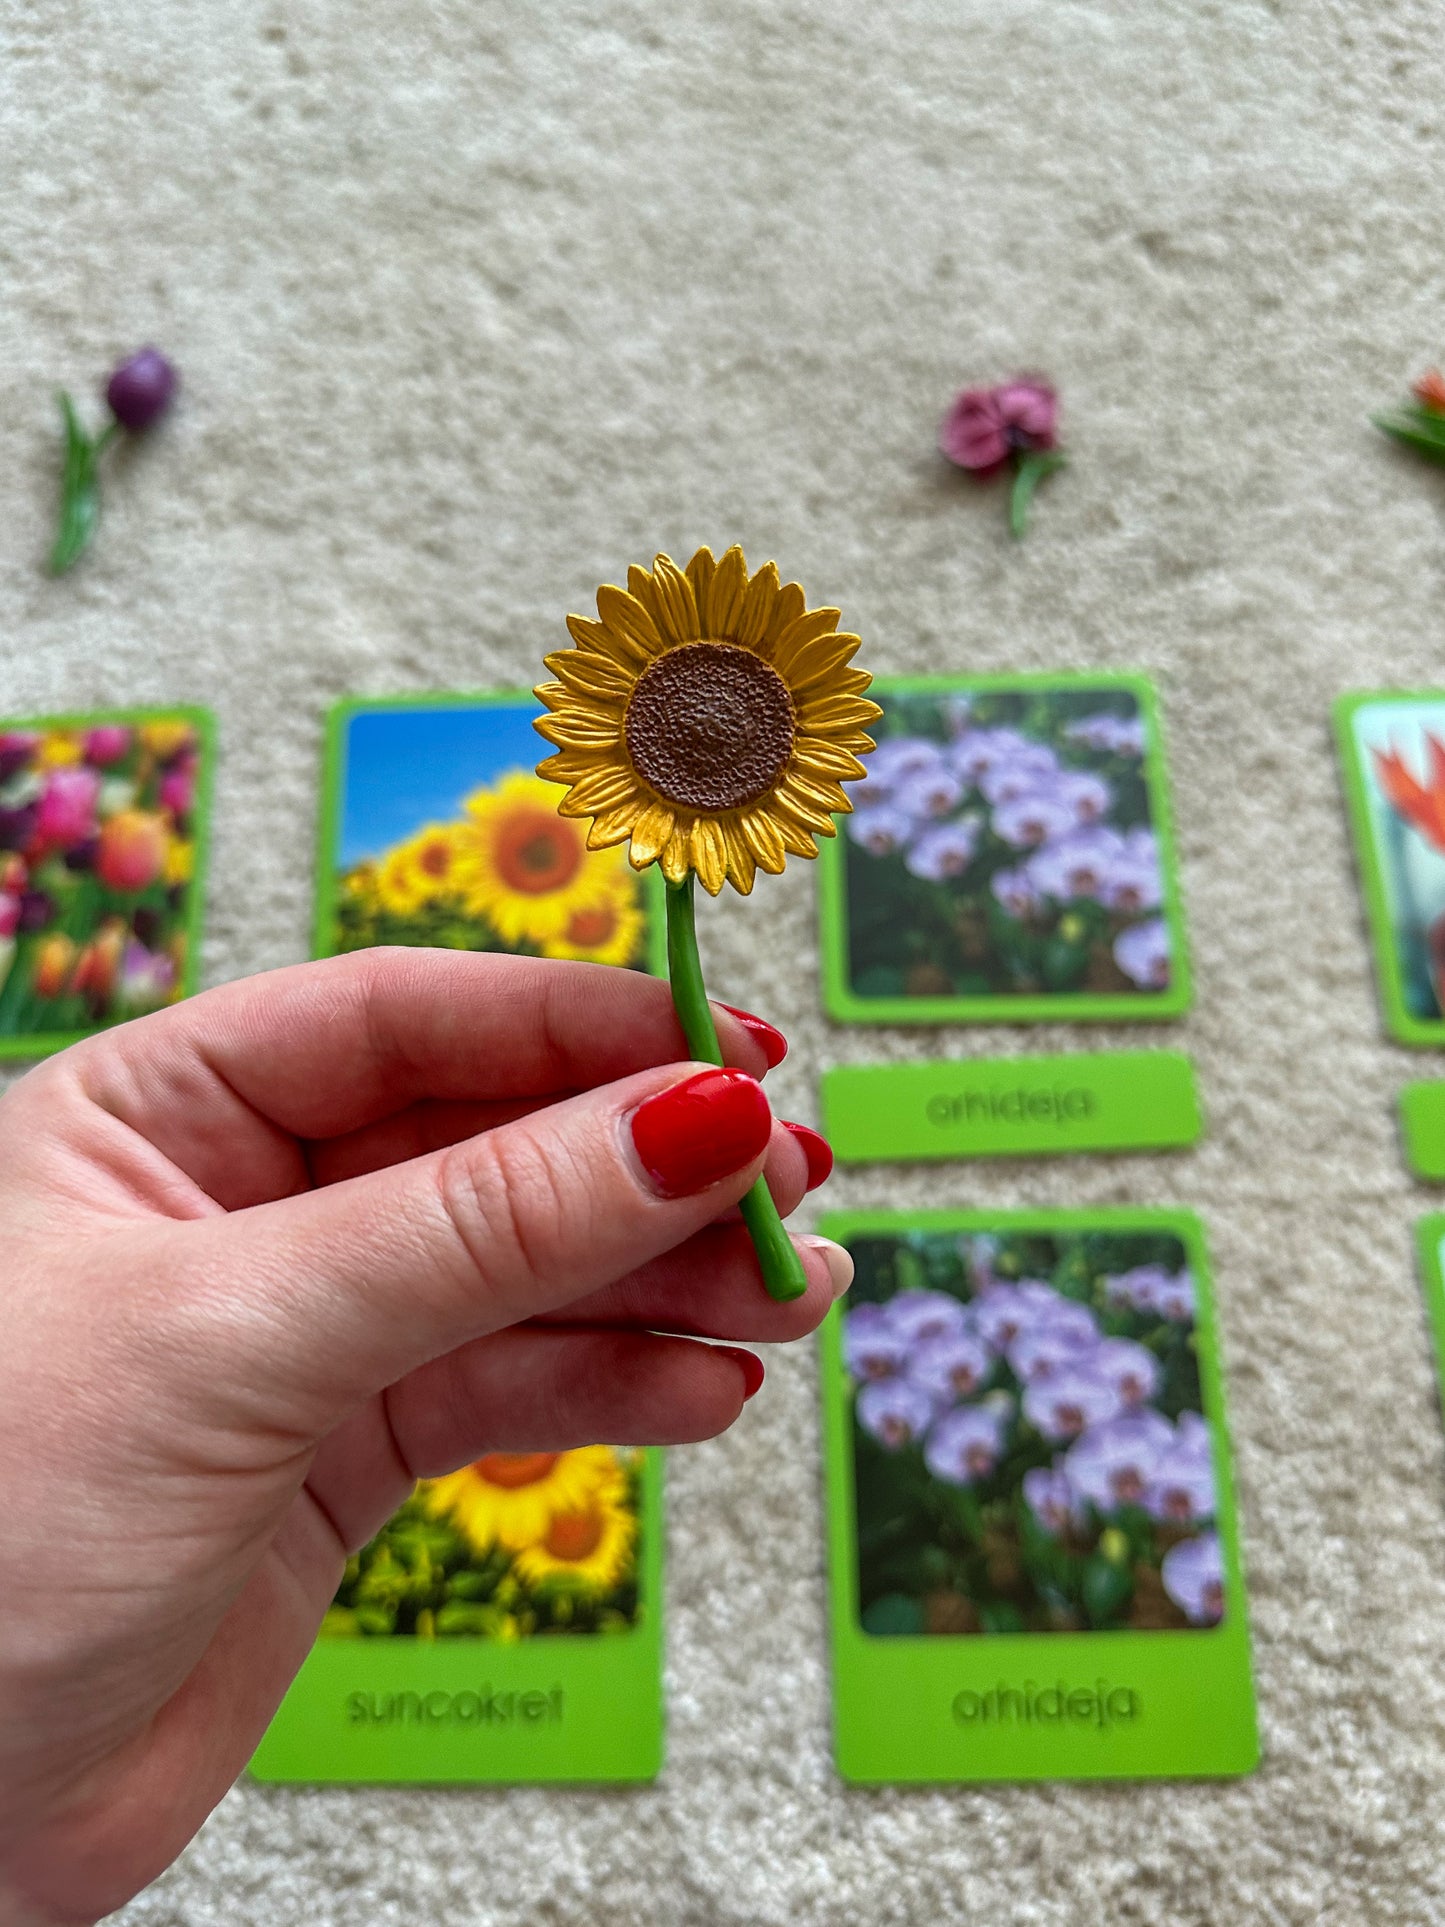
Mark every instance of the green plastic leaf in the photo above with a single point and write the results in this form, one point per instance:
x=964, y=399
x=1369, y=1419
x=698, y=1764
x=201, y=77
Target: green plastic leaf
x=79, y=492
x=1031, y=470
x=1422, y=429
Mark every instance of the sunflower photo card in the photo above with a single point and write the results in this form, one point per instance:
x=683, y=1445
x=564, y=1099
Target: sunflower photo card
x=104, y=822
x=1035, y=1568
x=505, y=1624
x=1009, y=858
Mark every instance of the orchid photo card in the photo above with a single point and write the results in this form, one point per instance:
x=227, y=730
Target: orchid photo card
x=1035, y=1567
x=1009, y=858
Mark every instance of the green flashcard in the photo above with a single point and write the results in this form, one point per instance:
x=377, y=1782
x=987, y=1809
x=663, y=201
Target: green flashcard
x=1009, y=858
x=1010, y=1106
x=1430, y=1243
x=104, y=825
x=1422, y=1128
x=1392, y=750
x=506, y=1623
x=435, y=829
x=1035, y=1569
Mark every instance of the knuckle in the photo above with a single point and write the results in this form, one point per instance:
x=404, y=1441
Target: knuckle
x=511, y=1200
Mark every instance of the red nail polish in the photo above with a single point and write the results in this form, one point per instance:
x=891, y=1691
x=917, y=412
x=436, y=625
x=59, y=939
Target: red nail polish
x=698, y=1132
x=752, y=1367
x=816, y=1149
x=768, y=1036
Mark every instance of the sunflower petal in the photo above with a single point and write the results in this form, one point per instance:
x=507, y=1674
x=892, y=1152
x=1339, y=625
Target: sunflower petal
x=827, y=715
x=700, y=572
x=763, y=837
x=818, y=793
x=614, y=827
x=580, y=729
x=796, y=841
x=721, y=613
x=568, y=765
x=603, y=788
x=810, y=626
x=590, y=675
x=679, y=604
x=595, y=639
x=758, y=605
x=676, y=859
x=826, y=655
x=790, y=605
x=642, y=588
x=625, y=619
x=822, y=758
x=651, y=833
x=741, y=868
x=709, y=854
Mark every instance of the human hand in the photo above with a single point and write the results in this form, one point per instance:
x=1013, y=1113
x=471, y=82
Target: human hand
x=272, y=1255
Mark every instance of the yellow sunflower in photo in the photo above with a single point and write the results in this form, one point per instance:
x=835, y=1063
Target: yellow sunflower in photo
x=708, y=719
x=508, y=1498
x=439, y=861
x=610, y=928
x=532, y=872
x=590, y=1547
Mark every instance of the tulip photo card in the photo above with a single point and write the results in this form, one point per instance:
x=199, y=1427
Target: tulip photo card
x=504, y=1625
x=103, y=832
x=1008, y=858
x=1392, y=749
x=435, y=830
x=1035, y=1569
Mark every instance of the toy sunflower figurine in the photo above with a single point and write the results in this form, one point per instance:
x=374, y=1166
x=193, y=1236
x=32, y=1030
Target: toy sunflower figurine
x=708, y=719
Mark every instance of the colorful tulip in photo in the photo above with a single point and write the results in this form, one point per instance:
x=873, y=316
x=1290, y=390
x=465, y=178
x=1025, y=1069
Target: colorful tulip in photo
x=138, y=393
x=1006, y=856
x=518, y=1545
x=1031, y=1449
x=1013, y=429
x=441, y=837
x=100, y=821
x=707, y=720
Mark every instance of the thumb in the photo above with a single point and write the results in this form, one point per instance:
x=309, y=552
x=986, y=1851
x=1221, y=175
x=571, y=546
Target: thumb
x=323, y=1299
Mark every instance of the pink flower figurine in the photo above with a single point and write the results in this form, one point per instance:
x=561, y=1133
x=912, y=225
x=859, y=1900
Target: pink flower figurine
x=1014, y=424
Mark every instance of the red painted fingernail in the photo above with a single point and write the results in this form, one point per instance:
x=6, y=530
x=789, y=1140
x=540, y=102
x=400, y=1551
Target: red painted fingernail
x=701, y=1131
x=752, y=1366
x=774, y=1044
x=816, y=1149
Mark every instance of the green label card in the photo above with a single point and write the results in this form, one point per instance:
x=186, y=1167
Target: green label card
x=1008, y=859
x=1007, y=1106
x=1422, y=1127
x=1392, y=749
x=504, y=1625
x=1034, y=1562
x=104, y=822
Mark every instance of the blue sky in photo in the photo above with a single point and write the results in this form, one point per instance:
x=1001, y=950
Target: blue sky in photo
x=410, y=766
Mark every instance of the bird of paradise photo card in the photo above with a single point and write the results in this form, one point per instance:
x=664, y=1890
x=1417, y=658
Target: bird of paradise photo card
x=1392, y=751
x=1009, y=857
x=506, y=1623
x=1035, y=1568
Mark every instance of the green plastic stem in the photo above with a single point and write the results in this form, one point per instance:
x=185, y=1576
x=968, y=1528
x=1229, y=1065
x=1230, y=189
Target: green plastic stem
x=778, y=1259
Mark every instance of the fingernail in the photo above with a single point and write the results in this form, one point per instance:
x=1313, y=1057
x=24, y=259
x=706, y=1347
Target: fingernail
x=768, y=1036
x=816, y=1149
x=752, y=1367
x=702, y=1130
x=838, y=1261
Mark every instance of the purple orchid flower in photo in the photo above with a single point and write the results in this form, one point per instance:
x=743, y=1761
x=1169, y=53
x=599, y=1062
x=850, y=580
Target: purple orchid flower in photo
x=1069, y=1401
x=872, y=1348
x=917, y=1316
x=928, y=793
x=1137, y=1289
x=1086, y=794
x=1142, y=953
x=1030, y=821
x=1051, y=1499
x=1077, y=865
x=952, y=1367
x=968, y=1442
x=977, y=751
x=1181, y=1490
x=1109, y=734
x=999, y=1315
x=895, y=760
x=1193, y=1575
x=944, y=851
x=1131, y=1369
x=880, y=830
x=1176, y=1296
x=1015, y=892
x=1025, y=770
x=894, y=1412
x=1111, y=1463
x=1043, y=1351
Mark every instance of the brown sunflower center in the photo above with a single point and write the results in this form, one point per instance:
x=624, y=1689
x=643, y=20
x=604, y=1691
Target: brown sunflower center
x=592, y=928
x=535, y=853
x=435, y=858
x=710, y=726
x=512, y=1470
x=574, y=1535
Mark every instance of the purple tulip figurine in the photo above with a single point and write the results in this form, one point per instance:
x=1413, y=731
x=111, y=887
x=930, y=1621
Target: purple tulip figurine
x=138, y=393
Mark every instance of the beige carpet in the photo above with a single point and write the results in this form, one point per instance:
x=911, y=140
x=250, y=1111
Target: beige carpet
x=476, y=301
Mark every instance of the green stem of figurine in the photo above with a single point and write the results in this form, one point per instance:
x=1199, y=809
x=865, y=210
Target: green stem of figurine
x=79, y=488
x=1031, y=470
x=778, y=1259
